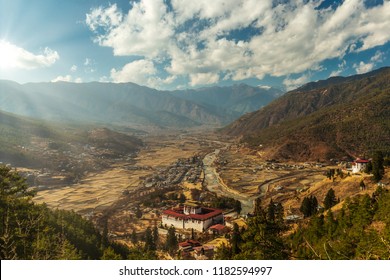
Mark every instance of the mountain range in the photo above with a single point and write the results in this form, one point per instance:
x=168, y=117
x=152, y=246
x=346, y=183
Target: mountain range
x=128, y=103
x=333, y=118
x=340, y=116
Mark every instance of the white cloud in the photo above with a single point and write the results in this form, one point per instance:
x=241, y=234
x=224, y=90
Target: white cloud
x=378, y=57
x=203, y=79
x=87, y=62
x=363, y=67
x=341, y=68
x=89, y=65
x=142, y=72
x=104, y=79
x=104, y=18
x=73, y=68
x=146, y=30
x=138, y=72
x=291, y=84
x=67, y=78
x=193, y=37
x=12, y=56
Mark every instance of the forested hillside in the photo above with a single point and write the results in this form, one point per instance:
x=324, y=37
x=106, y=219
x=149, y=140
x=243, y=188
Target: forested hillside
x=360, y=230
x=30, y=231
x=324, y=120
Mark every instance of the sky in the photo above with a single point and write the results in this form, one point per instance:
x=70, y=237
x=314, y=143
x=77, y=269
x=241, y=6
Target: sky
x=178, y=44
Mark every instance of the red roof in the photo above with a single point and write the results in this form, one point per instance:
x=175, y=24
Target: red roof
x=217, y=227
x=193, y=242
x=362, y=161
x=190, y=243
x=184, y=244
x=207, y=213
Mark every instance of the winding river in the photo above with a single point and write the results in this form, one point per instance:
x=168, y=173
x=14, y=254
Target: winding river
x=215, y=184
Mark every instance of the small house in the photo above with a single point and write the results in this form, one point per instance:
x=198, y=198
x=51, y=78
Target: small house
x=359, y=165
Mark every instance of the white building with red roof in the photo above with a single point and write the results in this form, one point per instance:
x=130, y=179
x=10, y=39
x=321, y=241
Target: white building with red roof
x=359, y=165
x=192, y=216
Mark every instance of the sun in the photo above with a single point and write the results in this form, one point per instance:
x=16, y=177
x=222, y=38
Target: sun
x=8, y=55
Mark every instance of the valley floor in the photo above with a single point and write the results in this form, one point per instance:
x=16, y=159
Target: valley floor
x=129, y=195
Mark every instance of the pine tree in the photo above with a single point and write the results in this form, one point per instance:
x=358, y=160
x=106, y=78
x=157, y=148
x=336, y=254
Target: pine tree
x=171, y=244
x=309, y=206
x=236, y=239
x=109, y=254
x=133, y=237
x=237, y=207
x=149, y=242
x=377, y=166
x=155, y=235
x=271, y=211
x=182, y=198
x=305, y=207
x=279, y=213
x=330, y=199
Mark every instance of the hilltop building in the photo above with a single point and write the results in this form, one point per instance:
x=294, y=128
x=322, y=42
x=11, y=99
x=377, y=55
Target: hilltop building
x=359, y=165
x=192, y=216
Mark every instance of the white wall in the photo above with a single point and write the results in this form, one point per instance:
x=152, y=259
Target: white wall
x=188, y=224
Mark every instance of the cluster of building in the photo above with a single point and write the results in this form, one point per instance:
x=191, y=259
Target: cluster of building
x=192, y=216
x=184, y=169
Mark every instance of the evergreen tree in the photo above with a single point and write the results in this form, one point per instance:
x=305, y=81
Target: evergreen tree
x=67, y=251
x=259, y=211
x=149, y=241
x=171, y=244
x=271, y=211
x=30, y=231
x=330, y=199
x=155, y=235
x=306, y=207
x=386, y=161
x=133, y=237
x=237, y=207
x=377, y=166
x=236, y=239
x=309, y=206
x=279, y=213
x=314, y=205
x=18, y=219
x=262, y=240
x=182, y=198
x=368, y=168
x=331, y=224
x=109, y=254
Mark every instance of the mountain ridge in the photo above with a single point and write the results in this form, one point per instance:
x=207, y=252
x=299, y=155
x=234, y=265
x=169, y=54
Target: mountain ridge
x=111, y=103
x=347, y=118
